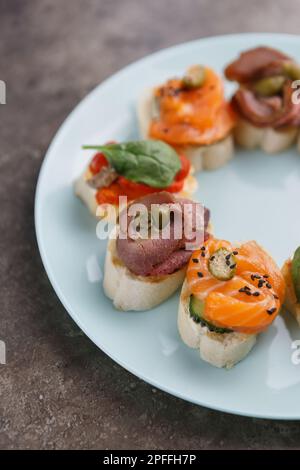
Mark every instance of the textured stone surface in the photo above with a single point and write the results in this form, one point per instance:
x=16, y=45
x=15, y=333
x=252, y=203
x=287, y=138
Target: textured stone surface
x=57, y=389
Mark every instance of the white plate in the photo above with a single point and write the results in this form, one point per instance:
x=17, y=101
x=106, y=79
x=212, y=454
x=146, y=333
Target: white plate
x=254, y=197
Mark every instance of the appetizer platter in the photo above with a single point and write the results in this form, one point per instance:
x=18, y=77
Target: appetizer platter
x=168, y=224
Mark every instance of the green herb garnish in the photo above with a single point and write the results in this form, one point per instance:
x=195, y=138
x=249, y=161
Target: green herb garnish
x=151, y=162
x=296, y=272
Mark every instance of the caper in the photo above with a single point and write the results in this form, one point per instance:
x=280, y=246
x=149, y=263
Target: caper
x=269, y=86
x=194, y=77
x=292, y=70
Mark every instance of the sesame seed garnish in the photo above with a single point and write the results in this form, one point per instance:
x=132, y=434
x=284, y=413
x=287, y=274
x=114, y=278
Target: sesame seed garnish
x=235, y=252
x=271, y=310
x=195, y=260
x=228, y=256
x=275, y=296
x=266, y=276
x=247, y=288
x=227, y=262
x=268, y=285
x=233, y=266
x=199, y=274
x=202, y=248
x=261, y=283
x=203, y=254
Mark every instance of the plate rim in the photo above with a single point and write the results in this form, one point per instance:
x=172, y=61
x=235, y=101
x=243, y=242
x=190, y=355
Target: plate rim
x=37, y=219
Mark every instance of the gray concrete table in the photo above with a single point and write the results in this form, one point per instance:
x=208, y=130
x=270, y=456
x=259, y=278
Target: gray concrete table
x=57, y=389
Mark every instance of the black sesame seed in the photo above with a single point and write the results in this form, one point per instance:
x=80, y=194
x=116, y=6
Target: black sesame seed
x=269, y=285
x=260, y=283
x=271, y=310
x=228, y=256
x=199, y=274
x=247, y=288
x=266, y=276
x=233, y=266
x=202, y=248
x=195, y=260
x=242, y=289
x=275, y=296
x=256, y=294
x=248, y=292
x=228, y=262
x=212, y=258
x=235, y=252
x=203, y=254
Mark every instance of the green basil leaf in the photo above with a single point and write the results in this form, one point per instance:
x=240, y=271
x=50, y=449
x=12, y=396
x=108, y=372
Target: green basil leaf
x=151, y=162
x=296, y=272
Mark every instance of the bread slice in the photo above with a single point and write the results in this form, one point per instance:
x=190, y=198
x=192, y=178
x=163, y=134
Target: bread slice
x=202, y=157
x=131, y=292
x=290, y=303
x=86, y=193
x=266, y=138
x=220, y=350
x=210, y=157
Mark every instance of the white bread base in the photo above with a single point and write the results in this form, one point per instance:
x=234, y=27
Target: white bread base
x=266, y=138
x=86, y=193
x=205, y=157
x=219, y=350
x=210, y=157
x=131, y=292
x=290, y=302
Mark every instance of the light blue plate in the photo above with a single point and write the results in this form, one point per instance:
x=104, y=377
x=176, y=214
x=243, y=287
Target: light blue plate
x=254, y=197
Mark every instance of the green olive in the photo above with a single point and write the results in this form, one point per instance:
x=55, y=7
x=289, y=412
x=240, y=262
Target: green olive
x=194, y=77
x=292, y=70
x=269, y=86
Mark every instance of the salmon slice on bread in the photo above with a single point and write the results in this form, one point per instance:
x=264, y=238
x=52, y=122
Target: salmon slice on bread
x=230, y=295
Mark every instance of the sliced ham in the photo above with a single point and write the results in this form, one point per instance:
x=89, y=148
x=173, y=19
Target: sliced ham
x=275, y=111
x=256, y=63
x=153, y=257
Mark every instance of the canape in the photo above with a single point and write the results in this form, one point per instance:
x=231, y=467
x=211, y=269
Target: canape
x=291, y=274
x=143, y=269
x=230, y=294
x=192, y=115
x=133, y=169
x=267, y=116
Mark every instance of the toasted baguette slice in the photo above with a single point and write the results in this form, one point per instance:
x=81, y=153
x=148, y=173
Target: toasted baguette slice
x=290, y=302
x=202, y=157
x=86, y=193
x=131, y=292
x=220, y=350
x=266, y=138
x=210, y=157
